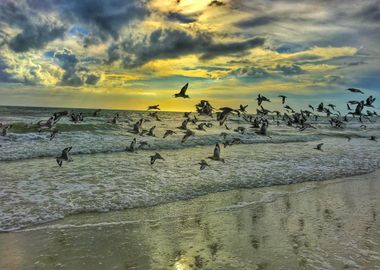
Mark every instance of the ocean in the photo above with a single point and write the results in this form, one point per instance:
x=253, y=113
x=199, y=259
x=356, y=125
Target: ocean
x=104, y=177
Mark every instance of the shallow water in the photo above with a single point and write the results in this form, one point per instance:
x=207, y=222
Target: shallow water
x=314, y=225
x=103, y=177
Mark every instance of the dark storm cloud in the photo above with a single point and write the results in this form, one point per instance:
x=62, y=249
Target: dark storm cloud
x=36, y=30
x=75, y=74
x=106, y=18
x=172, y=43
x=178, y=17
x=36, y=37
x=256, y=21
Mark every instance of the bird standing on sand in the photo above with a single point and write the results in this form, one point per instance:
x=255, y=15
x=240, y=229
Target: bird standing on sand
x=64, y=156
x=182, y=93
x=155, y=157
x=216, y=155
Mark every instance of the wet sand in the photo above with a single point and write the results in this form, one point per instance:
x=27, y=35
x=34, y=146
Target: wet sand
x=315, y=225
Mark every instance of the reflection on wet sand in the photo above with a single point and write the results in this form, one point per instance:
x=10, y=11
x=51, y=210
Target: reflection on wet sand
x=320, y=225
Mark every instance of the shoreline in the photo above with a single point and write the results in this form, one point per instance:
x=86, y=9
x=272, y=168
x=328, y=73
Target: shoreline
x=276, y=227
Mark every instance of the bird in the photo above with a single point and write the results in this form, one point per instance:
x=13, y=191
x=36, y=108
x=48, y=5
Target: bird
x=53, y=133
x=203, y=164
x=153, y=107
x=283, y=98
x=64, y=156
x=373, y=138
x=243, y=108
x=151, y=132
x=155, y=157
x=187, y=135
x=168, y=133
x=319, y=147
x=260, y=99
x=182, y=93
x=184, y=124
x=355, y=90
x=216, y=155
x=132, y=146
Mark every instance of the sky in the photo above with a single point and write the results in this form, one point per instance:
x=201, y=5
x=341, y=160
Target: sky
x=121, y=54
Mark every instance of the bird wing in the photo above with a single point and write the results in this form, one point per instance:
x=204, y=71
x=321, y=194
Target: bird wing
x=217, y=151
x=183, y=89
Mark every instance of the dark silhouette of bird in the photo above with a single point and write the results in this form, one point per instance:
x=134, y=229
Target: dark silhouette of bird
x=64, y=156
x=182, y=93
x=154, y=107
x=155, y=157
x=283, y=98
x=203, y=164
x=319, y=147
x=216, y=155
x=355, y=90
x=187, y=135
x=168, y=133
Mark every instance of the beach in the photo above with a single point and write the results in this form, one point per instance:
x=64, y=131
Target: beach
x=313, y=225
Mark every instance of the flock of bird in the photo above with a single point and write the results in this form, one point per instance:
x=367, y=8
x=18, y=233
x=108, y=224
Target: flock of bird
x=260, y=122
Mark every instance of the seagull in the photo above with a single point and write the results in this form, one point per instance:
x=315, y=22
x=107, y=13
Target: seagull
x=243, y=108
x=260, y=99
x=153, y=107
x=182, y=93
x=355, y=90
x=54, y=133
x=311, y=107
x=187, y=135
x=155, y=157
x=283, y=98
x=168, y=133
x=151, y=132
x=184, y=124
x=132, y=146
x=216, y=155
x=5, y=130
x=373, y=138
x=203, y=164
x=64, y=156
x=319, y=147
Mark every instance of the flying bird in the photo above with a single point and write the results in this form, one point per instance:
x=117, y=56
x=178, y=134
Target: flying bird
x=64, y=156
x=203, y=164
x=155, y=157
x=182, y=93
x=283, y=98
x=355, y=90
x=187, y=135
x=216, y=155
x=153, y=107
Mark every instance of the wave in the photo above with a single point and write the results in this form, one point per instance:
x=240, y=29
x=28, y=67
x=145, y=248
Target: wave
x=41, y=149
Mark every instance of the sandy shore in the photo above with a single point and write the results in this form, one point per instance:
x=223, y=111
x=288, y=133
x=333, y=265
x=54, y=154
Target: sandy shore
x=315, y=225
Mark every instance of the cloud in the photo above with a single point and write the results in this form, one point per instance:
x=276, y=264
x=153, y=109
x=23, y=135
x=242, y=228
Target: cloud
x=36, y=37
x=174, y=16
x=173, y=43
x=256, y=21
x=252, y=72
x=107, y=18
x=290, y=69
